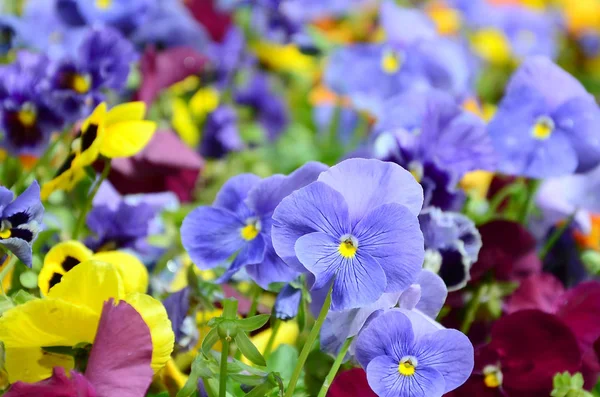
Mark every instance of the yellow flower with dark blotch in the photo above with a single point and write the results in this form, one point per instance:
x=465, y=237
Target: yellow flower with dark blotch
x=85, y=147
x=126, y=131
x=65, y=256
x=69, y=316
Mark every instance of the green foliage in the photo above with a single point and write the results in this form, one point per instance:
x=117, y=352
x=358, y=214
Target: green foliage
x=567, y=385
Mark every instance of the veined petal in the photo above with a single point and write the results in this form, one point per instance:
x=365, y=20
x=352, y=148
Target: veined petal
x=155, y=316
x=27, y=202
x=318, y=252
x=433, y=293
x=132, y=271
x=233, y=193
x=127, y=138
x=89, y=284
x=32, y=364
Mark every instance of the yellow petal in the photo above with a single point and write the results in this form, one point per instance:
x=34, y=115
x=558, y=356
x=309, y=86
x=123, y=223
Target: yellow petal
x=89, y=284
x=132, y=271
x=48, y=322
x=287, y=334
x=32, y=364
x=155, y=316
x=97, y=117
x=184, y=124
x=129, y=111
x=127, y=138
x=492, y=45
x=60, y=259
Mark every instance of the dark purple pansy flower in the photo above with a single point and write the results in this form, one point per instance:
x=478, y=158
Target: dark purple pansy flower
x=270, y=109
x=220, y=134
x=452, y=244
x=102, y=62
x=355, y=228
x=407, y=355
x=177, y=305
x=437, y=141
x=215, y=21
x=239, y=223
x=26, y=115
x=518, y=362
x=546, y=123
x=20, y=221
x=351, y=383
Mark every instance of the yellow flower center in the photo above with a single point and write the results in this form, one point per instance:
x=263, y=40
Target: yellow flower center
x=27, y=117
x=491, y=380
x=543, y=128
x=492, y=376
x=391, y=62
x=250, y=231
x=406, y=367
x=492, y=45
x=5, y=233
x=81, y=84
x=416, y=169
x=103, y=4
x=348, y=247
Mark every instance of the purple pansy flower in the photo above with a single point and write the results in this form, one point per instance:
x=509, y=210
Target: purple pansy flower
x=287, y=302
x=20, y=221
x=452, y=244
x=125, y=15
x=355, y=228
x=406, y=356
x=26, y=116
x=546, y=123
x=239, y=223
x=220, y=134
x=437, y=141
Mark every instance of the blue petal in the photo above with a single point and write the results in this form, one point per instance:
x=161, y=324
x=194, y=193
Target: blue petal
x=252, y=253
x=272, y=269
x=20, y=248
x=6, y=196
x=391, y=234
x=211, y=235
x=28, y=202
x=433, y=293
x=177, y=305
x=314, y=208
x=287, y=302
x=395, y=19
x=318, y=252
x=233, y=193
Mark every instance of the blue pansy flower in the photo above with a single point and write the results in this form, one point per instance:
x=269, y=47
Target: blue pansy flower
x=546, y=124
x=125, y=15
x=102, y=62
x=26, y=116
x=407, y=355
x=437, y=141
x=20, y=221
x=8, y=33
x=426, y=295
x=452, y=244
x=287, y=302
x=355, y=228
x=220, y=134
x=238, y=225
x=228, y=56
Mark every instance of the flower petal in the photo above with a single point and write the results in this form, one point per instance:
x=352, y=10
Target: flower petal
x=19, y=247
x=127, y=138
x=132, y=271
x=272, y=269
x=234, y=192
x=28, y=202
x=251, y=253
x=433, y=293
x=32, y=364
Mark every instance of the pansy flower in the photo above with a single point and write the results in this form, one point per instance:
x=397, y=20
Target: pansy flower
x=125, y=15
x=452, y=244
x=221, y=133
x=287, y=303
x=437, y=141
x=239, y=223
x=20, y=221
x=545, y=125
x=69, y=315
x=355, y=228
x=408, y=357
x=27, y=117
x=351, y=383
x=122, y=350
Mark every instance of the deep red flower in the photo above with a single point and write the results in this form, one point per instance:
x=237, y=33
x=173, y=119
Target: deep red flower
x=165, y=164
x=215, y=21
x=526, y=350
x=539, y=291
x=508, y=251
x=351, y=383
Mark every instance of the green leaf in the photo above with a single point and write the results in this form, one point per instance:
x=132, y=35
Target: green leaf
x=253, y=323
x=23, y=296
x=209, y=341
x=249, y=350
x=251, y=380
x=260, y=390
x=199, y=370
x=5, y=304
x=283, y=360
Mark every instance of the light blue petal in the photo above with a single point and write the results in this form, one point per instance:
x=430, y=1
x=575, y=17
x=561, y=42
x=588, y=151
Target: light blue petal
x=252, y=253
x=28, y=202
x=272, y=269
x=234, y=192
x=433, y=293
x=20, y=248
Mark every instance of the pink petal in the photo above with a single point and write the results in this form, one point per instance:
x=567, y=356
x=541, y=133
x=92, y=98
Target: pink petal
x=58, y=385
x=538, y=291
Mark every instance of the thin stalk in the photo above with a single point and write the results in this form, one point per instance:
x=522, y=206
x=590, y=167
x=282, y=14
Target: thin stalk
x=256, y=290
x=90, y=198
x=556, y=235
x=271, y=341
x=335, y=367
x=223, y=368
x=308, y=345
x=532, y=188
x=12, y=262
x=502, y=195
x=472, y=310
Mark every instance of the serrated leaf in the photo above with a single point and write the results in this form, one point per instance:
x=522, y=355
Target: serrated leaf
x=249, y=350
x=209, y=341
x=253, y=323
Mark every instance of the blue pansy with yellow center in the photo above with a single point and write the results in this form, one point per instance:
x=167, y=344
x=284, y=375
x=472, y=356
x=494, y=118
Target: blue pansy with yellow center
x=546, y=124
x=355, y=227
x=20, y=221
x=125, y=15
x=238, y=225
x=407, y=355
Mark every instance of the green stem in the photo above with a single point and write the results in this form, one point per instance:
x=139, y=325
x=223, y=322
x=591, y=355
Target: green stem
x=335, y=367
x=472, y=310
x=532, y=188
x=223, y=368
x=13, y=261
x=502, y=195
x=271, y=341
x=556, y=235
x=308, y=345
x=90, y=198
x=256, y=290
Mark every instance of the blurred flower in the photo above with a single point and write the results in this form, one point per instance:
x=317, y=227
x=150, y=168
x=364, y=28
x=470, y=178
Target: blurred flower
x=540, y=131
x=165, y=165
x=228, y=56
x=239, y=221
x=125, y=15
x=351, y=383
x=452, y=244
x=70, y=315
x=211, y=17
x=341, y=234
x=287, y=302
x=177, y=305
x=8, y=33
x=408, y=357
x=20, y=221
x=437, y=141
x=220, y=135
x=118, y=364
